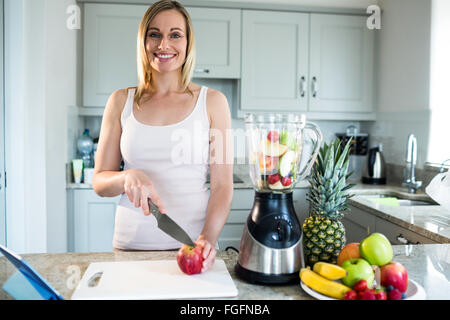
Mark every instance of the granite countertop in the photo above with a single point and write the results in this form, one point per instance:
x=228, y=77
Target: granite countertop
x=431, y=221
x=428, y=265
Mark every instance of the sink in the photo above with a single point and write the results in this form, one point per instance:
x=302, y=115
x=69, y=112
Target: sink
x=405, y=200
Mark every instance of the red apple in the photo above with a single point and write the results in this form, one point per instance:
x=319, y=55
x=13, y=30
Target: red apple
x=394, y=274
x=273, y=178
x=190, y=259
x=273, y=136
x=286, y=181
x=350, y=251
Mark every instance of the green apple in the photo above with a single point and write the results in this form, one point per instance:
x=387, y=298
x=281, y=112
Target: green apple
x=288, y=140
x=357, y=269
x=376, y=249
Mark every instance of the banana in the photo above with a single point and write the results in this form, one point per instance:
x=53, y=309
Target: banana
x=329, y=271
x=322, y=285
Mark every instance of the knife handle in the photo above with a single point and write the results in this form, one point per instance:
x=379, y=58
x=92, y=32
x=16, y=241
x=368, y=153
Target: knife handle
x=153, y=208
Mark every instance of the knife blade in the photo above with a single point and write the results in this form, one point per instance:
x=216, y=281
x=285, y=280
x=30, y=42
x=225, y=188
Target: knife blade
x=166, y=224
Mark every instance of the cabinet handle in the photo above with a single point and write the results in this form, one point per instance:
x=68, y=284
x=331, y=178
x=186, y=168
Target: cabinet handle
x=368, y=230
x=401, y=238
x=302, y=86
x=314, y=87
x=201, y=70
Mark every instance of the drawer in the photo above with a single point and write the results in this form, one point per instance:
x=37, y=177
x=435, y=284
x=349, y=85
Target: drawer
x=232, y=231
x=231, y=236
x=361, y=218
x=238, y=216
x=399, y=235
x=243, y=199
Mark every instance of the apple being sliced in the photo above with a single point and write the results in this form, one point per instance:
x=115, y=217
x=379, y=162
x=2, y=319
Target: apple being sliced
x=190, y=259
x=272, y=149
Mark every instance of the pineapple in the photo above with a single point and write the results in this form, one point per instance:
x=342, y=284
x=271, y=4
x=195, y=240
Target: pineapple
x=323, y=232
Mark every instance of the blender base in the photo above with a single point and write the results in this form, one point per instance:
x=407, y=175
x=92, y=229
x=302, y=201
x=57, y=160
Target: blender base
x=264, y=278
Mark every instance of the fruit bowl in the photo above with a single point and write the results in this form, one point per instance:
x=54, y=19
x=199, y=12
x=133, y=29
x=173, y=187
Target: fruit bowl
x=414, y=292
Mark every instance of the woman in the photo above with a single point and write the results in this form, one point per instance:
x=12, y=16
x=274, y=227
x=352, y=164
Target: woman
x=165, y=130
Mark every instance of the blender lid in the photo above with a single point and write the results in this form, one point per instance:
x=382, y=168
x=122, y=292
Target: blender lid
x=292, y=118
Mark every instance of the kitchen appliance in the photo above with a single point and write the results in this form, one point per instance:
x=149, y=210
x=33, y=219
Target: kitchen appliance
x=166, y=224
x=358, y=150
x=152, y=279
x=375, y=171
x=271, y=248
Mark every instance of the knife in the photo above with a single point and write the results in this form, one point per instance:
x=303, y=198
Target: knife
x=166, y=224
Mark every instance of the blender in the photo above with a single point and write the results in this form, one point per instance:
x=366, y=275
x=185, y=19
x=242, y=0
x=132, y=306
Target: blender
x=271, y=248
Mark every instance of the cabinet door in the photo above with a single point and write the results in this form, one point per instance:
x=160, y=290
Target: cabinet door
x=358, y=224
x=218, y=42
x=274, y=61
x=301, y=205
x=93, y=221
x=232, y=231
x=399, y=235
x=341, y=64
x=110, y=33
x=240, y=209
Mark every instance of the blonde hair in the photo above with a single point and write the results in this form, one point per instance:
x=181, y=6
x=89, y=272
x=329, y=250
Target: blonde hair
x=144, y=69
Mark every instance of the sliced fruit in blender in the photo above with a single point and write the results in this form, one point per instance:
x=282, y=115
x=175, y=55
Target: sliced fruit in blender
x=276, y=186
x=272, y=149
x=273, y=178
x=286, y=163
x=286, y=181
x=288, y=140
x=267, y=164
x=273, y=136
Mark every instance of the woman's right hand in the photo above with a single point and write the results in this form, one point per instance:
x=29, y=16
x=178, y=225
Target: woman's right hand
x=139, y=189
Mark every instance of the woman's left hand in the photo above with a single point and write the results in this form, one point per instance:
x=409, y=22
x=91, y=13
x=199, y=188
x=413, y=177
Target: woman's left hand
x=208, y=252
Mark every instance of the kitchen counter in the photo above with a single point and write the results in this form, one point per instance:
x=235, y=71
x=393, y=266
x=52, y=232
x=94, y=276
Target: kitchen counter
x=430, y=221
x=429, y=265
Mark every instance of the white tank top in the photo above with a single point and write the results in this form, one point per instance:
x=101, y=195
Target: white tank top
x=175, y=157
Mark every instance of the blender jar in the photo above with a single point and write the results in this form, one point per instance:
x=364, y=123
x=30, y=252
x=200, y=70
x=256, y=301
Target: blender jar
x=275, y=146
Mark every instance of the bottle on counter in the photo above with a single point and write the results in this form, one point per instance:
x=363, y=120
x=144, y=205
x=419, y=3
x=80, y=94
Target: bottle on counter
x=85, y=146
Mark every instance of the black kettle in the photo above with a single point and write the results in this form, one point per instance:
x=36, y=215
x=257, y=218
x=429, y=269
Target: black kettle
x=375, y=171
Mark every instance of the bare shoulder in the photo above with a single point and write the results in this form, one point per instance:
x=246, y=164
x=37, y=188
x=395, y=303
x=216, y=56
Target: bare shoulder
x=217, y=106
x=116, y=102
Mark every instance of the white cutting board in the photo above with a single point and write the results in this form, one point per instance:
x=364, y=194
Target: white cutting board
x=161, y=279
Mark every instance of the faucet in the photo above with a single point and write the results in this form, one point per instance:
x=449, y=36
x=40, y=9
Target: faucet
x=409, y=179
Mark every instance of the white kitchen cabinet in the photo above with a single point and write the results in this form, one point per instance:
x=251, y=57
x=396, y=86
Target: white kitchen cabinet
x=109, y=59
x=110, y=32
x=399, y=235
x=341, y=63
x=318, y=63
x=358, y=224
x=274, y=61
x=240, y=209
x=301, y=206
x=91, y=220
x=218, y=42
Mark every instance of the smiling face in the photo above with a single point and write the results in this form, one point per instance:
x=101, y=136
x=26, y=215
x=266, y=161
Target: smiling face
x=166, y=41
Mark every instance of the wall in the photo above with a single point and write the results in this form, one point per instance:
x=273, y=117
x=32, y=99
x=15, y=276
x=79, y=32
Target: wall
x=438, y=147
x=403, y=56
x=41, y=83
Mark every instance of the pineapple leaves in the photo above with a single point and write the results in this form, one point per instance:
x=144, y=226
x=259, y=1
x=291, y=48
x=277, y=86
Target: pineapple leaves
x=328, y=182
